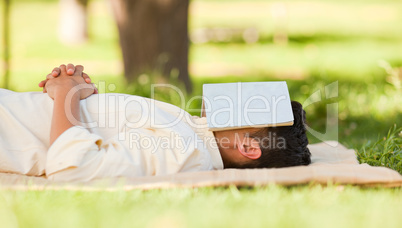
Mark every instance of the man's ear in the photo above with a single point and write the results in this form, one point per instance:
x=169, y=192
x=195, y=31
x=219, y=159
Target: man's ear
x=252, y=151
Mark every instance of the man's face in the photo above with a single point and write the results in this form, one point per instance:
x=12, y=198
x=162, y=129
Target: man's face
x=232, y=143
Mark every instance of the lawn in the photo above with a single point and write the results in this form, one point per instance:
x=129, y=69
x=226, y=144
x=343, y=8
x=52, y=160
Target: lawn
x=272, y=206
x=355, y=44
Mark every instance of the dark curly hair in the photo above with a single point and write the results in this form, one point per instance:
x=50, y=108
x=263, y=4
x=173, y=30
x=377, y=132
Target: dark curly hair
x=283, y=146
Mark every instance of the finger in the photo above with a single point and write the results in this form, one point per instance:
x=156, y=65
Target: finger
x=86, y=78
x=70, y=69
x=42, y=83
x=49, y=76
x=78, y=70
x=62, y=69
x=55, y=72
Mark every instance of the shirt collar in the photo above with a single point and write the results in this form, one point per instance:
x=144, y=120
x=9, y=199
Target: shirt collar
x=208, y=138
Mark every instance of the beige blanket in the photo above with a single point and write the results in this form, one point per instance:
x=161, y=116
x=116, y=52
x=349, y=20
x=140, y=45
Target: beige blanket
x=337, y=165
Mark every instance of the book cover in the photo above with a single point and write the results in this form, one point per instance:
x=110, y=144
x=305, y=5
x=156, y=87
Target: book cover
x=247, y=104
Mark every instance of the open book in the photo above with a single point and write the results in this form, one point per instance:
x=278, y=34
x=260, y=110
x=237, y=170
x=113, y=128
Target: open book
x=246, y=104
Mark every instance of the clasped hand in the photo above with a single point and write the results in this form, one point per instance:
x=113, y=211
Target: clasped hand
x=63, y=79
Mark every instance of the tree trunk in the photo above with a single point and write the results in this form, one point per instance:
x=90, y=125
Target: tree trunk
x=73, y=21
x=154, y=37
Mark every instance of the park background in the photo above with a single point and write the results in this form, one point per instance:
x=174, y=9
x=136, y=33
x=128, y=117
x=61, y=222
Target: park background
x=310, y=44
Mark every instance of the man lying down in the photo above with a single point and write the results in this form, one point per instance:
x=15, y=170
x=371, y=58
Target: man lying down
x=71, y=134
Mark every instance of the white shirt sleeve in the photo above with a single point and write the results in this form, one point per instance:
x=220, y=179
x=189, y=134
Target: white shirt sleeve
x=78, y=155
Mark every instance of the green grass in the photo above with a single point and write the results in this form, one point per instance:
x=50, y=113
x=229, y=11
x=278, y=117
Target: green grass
x=273, y=206
x=328, y=41
x=384, y=152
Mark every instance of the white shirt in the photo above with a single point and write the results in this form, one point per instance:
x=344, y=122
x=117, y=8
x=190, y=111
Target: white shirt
x=120, y=136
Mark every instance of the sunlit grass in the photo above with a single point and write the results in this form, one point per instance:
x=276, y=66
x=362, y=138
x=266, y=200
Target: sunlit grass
x=349, y=60
x=273, y=206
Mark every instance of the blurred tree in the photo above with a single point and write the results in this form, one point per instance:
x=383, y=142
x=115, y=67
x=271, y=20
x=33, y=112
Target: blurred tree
x=6, y=42
x=154, y=37
x=73, y=21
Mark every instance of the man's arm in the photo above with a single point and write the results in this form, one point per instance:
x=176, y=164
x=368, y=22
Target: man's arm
x=62, y=107
x=66, y=103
